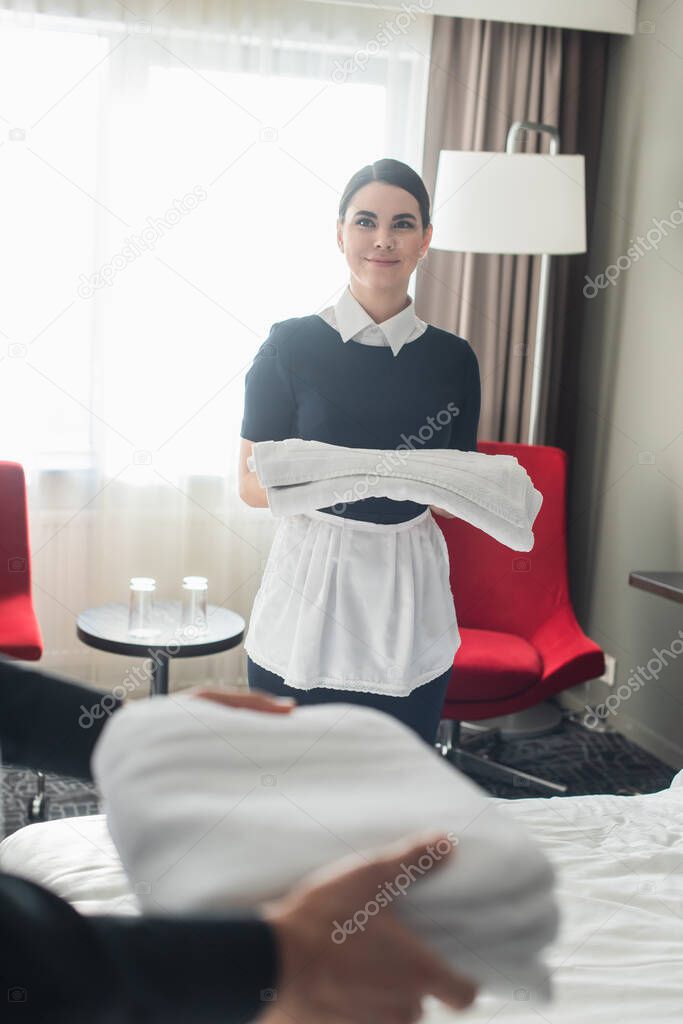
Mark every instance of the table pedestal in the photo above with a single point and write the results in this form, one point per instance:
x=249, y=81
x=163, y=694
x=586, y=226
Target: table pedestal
x=159, y=676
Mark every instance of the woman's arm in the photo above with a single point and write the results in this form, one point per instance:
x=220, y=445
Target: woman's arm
x=50, y=723
x=250, y=489
x=69, y=968
x=270, y=408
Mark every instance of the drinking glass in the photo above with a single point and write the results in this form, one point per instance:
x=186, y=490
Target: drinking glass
x=141, y=607
x=194, y=606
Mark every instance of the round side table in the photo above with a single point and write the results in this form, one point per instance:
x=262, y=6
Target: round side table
x=106, y=628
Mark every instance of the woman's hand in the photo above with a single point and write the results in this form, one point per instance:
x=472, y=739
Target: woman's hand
x=442, y=512
x=256, y=700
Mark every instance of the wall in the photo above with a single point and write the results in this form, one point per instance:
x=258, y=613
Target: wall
x=626, y=508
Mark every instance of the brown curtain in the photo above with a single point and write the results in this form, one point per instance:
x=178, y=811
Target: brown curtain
x=483, y=76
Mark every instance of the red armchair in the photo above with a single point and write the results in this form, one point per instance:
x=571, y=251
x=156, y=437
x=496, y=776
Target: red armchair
x=19, y=630
x=521, y=642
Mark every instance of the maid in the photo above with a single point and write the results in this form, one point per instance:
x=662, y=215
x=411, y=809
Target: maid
x=355, y=602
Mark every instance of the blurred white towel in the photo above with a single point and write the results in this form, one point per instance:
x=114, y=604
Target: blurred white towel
x=492, y=492
x=213, y=807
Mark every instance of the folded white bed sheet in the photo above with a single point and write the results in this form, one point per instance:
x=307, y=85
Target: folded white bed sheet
x=228, y=807
x=492, y=492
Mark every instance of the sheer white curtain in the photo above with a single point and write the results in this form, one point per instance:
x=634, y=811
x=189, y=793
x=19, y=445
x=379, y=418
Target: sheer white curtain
x=171, y=175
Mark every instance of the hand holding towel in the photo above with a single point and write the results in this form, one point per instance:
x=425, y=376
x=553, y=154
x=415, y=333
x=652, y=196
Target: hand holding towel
x=216, y=808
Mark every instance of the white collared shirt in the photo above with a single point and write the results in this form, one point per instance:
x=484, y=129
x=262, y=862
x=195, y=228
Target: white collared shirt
x=353, y=322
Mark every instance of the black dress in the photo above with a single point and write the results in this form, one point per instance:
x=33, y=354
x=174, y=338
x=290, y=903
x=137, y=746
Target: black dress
x=306, y=382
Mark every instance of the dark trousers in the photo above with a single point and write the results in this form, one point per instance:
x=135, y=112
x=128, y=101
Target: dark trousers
x=421, y=709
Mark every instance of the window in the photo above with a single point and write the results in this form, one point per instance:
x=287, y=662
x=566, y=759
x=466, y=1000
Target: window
x=167, y=197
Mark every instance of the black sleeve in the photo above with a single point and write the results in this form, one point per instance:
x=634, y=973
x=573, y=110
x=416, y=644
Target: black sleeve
x=50, y=723
x=66, y=968
x=471, y=406
x=269, y=400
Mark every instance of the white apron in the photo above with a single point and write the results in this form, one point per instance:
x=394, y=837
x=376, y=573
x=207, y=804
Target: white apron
x=352, y=605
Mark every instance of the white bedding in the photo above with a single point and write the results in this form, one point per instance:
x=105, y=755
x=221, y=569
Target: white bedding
x=618, y=957
x=75, y=858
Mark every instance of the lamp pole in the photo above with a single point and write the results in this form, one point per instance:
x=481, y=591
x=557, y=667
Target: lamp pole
x=514, y=135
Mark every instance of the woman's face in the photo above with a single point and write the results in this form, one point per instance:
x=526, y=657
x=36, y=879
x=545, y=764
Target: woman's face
x=382, y=237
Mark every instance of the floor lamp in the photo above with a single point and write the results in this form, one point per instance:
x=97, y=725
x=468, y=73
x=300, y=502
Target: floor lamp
x=512, y=202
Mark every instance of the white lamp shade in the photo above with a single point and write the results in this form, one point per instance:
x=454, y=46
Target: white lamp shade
x=509, y=203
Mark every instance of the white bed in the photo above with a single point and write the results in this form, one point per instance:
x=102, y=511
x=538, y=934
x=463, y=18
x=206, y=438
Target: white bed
x=619, y=954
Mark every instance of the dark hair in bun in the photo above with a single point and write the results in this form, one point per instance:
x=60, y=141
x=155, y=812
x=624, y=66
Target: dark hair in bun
x=393, y=172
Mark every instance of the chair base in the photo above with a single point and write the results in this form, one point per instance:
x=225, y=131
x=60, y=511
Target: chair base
x=37, y=805
x=448, y=744
x=536, y=721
